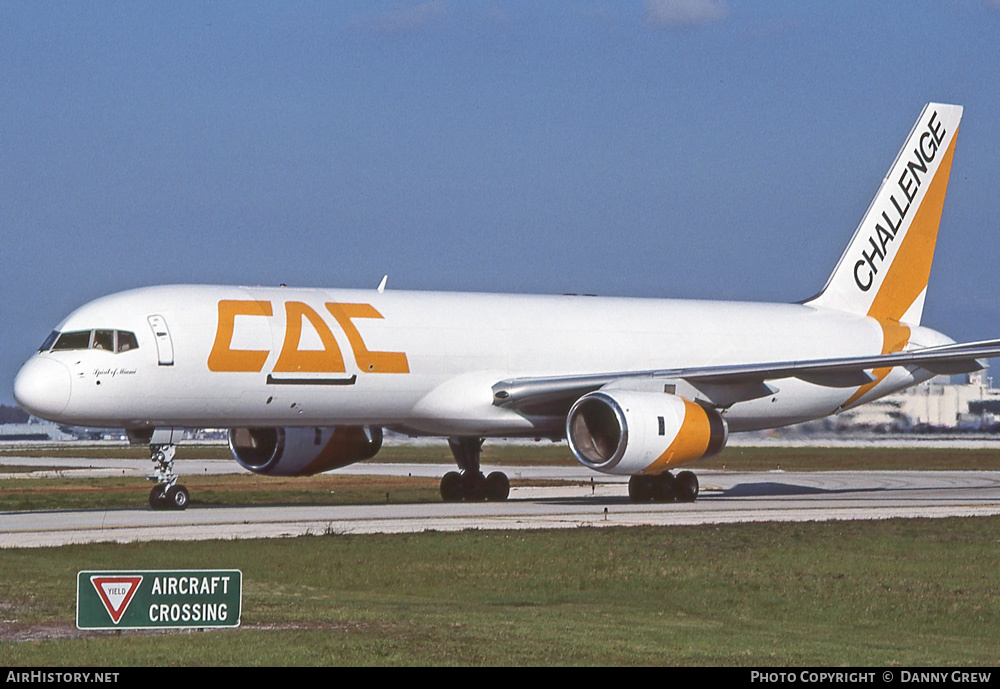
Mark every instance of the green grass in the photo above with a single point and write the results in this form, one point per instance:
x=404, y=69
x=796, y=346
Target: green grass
x=17, y=495
x=901, y=592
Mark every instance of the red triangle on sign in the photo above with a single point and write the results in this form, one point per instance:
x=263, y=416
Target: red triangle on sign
x=116, y=593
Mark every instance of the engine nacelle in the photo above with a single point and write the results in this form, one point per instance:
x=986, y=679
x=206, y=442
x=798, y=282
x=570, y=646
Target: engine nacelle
x=302, y=451
x=631, y=432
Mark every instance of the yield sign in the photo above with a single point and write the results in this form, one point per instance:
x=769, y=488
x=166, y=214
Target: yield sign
x=116, y=593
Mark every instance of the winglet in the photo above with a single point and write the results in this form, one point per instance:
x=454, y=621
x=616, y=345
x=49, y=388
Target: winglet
x=885, y=269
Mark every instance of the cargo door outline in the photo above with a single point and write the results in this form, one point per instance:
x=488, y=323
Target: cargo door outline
x=164, y=344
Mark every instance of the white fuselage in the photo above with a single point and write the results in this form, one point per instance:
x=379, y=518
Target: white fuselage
x=421, y=362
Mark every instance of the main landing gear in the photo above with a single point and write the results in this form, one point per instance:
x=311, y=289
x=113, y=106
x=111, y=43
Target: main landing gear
x=167, y=494
x=470, y=485
x=663, y=487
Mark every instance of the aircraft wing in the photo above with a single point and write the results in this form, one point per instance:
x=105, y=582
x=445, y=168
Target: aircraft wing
x=725, y=385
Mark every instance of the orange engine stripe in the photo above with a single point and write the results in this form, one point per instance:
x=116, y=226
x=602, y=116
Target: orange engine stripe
x=690, y=443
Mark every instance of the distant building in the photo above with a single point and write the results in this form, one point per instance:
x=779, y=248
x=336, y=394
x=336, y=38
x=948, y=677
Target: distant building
x=34, y=429
x=936, y=404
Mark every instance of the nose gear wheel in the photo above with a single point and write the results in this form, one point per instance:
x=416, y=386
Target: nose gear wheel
x=167, y=494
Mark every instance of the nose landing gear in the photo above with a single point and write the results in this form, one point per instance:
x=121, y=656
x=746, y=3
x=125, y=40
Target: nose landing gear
x=167, y=494
x=164, y=497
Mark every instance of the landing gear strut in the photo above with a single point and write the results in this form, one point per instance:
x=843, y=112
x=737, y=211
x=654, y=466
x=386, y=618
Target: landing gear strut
x=663, y=487
x=167, y=494
x=470, y=485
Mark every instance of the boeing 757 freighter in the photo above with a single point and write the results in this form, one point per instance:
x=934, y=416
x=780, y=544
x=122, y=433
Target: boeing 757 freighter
x=307, y=379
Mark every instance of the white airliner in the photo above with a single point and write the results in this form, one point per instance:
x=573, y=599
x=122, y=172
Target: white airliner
x=308, y=378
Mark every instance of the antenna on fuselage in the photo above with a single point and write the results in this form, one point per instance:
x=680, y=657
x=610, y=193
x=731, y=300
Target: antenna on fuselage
x=381, y=285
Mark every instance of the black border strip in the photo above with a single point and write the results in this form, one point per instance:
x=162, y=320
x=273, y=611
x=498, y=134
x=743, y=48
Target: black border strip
x=271, y=380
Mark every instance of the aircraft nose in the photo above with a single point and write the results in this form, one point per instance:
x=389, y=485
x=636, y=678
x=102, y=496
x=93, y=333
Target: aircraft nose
x=42, y=387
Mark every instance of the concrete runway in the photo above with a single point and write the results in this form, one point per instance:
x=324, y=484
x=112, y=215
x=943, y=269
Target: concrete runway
x=727, y=497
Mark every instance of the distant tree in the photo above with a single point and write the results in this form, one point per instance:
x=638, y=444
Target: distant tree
x=12, y=414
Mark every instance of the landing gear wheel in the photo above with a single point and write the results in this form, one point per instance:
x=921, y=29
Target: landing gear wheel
x=664, y=487
x=497, y=486
x=640, y=488
x=451, y=487
x=471, y=485
x=157, y=498
x=177, y=497
x=686, y=487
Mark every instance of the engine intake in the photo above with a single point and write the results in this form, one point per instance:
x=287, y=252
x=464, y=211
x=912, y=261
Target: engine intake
x=302, y=451
x=631, y=432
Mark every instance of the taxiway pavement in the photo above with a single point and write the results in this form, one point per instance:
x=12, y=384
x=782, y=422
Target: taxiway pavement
x=583, y=500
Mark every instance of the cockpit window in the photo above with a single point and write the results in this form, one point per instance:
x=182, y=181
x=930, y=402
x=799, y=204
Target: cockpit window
x=107, y=340
x=104, y=339
x=78, y=339
x=47, y=345
x=126, y=341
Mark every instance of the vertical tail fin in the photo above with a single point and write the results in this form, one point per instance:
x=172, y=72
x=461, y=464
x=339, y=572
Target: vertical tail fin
x=884, y=271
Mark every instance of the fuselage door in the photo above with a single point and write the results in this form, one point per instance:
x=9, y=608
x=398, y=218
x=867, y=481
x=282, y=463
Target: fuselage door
x=164, y=345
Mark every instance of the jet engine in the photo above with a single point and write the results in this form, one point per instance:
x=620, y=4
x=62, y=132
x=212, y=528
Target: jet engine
x=302, y=451
x=633, y=432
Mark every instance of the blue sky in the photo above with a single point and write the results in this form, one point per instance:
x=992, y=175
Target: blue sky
x=678, y=148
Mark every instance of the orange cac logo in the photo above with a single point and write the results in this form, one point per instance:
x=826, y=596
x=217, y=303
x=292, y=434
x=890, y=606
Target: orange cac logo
x=372, y=362
x=223, y=357
x=292, y=359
